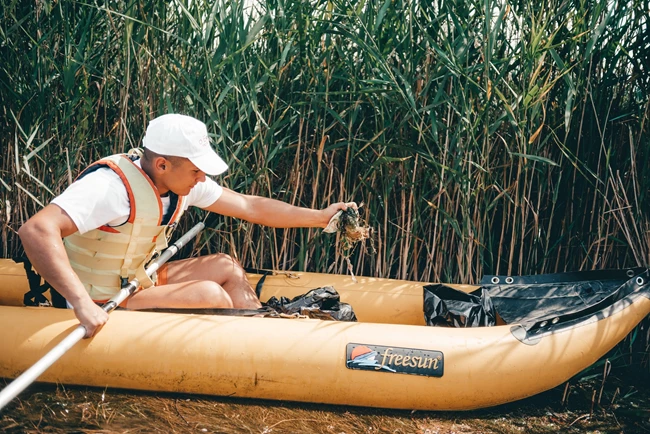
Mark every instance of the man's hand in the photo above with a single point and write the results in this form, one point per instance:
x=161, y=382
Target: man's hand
x=91, y=316
x=331, y=211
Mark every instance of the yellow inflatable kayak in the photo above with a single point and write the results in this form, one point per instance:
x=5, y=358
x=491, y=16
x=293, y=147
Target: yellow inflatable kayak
x=389, y=358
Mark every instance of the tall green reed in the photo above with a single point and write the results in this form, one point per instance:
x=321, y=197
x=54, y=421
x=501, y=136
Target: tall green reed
x=483, y=137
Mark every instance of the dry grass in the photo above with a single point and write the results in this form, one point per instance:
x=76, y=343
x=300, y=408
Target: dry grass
x=624, y=408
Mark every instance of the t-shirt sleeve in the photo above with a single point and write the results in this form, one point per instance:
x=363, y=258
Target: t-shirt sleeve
x=204, y=194
x=97, y=199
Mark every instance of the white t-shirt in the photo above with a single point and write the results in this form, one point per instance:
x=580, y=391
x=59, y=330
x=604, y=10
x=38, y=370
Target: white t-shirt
x=100, y=198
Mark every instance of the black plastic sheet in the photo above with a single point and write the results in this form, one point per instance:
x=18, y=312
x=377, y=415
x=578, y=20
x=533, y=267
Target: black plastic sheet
x=527, y=300
x=320, y=303
x=449, y=307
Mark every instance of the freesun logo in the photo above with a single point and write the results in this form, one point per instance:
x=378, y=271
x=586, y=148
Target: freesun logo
x=394, y=359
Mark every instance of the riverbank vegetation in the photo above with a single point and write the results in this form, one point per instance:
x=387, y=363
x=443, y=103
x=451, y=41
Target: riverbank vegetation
x=483, y=137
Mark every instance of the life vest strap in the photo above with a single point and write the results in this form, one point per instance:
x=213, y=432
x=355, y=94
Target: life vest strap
x=36, y=294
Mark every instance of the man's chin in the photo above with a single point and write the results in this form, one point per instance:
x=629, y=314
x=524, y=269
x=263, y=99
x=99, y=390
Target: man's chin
x=182, y=192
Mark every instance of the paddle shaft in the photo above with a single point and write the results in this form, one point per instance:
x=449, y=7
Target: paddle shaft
x=30, y=375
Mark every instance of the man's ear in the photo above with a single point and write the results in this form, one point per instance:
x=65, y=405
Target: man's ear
x=160, y=164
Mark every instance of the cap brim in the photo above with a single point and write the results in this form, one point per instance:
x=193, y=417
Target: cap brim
x=210, y=163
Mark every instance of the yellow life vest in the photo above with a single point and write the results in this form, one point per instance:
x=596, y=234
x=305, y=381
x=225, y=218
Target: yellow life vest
x=107, y=257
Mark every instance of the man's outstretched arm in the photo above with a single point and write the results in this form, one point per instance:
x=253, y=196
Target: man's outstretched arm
x=41, y=237
x=272, y=212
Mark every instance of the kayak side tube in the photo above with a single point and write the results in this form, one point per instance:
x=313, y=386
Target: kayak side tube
x=310, y=360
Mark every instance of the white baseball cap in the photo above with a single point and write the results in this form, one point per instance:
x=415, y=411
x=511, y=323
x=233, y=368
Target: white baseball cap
x=183, y=136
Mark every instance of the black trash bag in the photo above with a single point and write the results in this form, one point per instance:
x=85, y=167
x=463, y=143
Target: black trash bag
x=319, y=303
x=448, y=307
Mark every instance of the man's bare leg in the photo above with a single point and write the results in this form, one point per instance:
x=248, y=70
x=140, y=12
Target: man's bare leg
x=191, y=294
x=211, y=281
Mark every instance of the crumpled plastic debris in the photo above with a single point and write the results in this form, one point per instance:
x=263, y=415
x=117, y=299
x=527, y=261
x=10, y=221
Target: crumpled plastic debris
x=333, y=224
x=348, y=223
x=320, y=303
x=448, y=307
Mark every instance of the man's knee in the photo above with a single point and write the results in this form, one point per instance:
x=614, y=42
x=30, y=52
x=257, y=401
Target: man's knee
x=226, y=262
x=225, y=259
x=212, y=294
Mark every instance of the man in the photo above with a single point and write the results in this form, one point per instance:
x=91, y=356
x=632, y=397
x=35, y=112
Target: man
x=101, y=231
